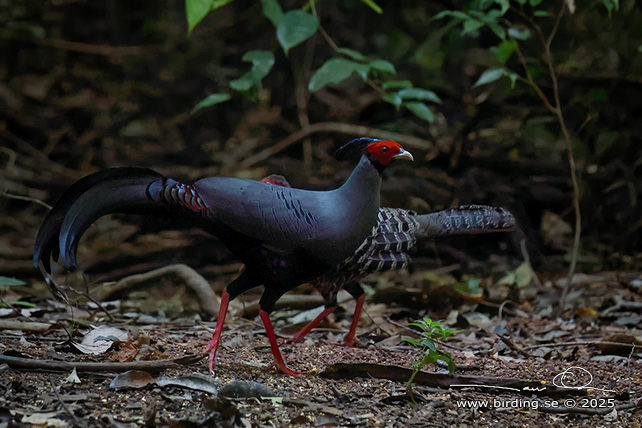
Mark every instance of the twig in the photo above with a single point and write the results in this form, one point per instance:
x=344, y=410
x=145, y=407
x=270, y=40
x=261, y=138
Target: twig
x=104, y=366
x=343, y=128
x=513, y=346
x=62, y=403
x=26, y=198
x=24, y=325
x=580, y=343
x=620, y=303
x=86, y=48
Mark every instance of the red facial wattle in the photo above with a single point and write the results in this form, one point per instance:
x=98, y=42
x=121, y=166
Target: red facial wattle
x=385, y=151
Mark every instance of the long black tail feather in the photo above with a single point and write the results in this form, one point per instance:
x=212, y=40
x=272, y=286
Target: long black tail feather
x=116, y=190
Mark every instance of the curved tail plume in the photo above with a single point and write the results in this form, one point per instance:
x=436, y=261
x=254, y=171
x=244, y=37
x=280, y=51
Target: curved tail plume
x=116, y=190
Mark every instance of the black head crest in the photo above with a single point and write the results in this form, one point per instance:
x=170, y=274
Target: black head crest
x=355, y=146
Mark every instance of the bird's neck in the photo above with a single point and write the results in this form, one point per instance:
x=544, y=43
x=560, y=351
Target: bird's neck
x=365, y=181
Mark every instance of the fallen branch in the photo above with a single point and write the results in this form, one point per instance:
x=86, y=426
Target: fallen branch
x=24, y=325
x=445, y=381
x=84, y=366
x=192, y=279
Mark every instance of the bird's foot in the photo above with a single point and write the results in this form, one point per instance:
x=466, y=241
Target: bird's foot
x=294, y=339
x=279, y=363
x=350, y=341
x=288, y=371
x=212, y=347
x=285, y=369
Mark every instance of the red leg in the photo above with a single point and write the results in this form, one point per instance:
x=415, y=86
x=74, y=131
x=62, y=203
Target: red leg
x=351, y=336
x=278, y=359
x=212, y=345
x=305, y=330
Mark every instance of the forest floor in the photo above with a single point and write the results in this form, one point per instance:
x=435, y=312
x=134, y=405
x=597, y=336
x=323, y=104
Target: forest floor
x=532, y=366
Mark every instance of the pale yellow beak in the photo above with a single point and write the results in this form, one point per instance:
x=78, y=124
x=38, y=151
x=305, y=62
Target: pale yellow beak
x=403, y=154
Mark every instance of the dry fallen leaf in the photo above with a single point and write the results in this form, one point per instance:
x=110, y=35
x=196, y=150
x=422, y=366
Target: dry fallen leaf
x=99, y=340
x=132, y=379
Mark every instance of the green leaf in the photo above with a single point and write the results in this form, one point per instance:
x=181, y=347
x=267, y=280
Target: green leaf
x=611, y=5
x=420, y=110
x=243, y=83
x=430, y=358
x=21, y=303
x=489, y=76
x=394, y=99
x=196, y=10
x=504, y=50
x=333, y=71
x=534, y=3
x=383, y=66
x=211, y=100
x=471, y=25
x=262, y=63
x=519, y=34
x=295, y=27
x=504, y=5
x=272, y=11
x=372, y=5
x=356, y=55
x=419, y=94
x=219, y=3
x=398, y=84
x=5, y=281
x=473, y=285
x=513, y=77
x=452, y=13
x=492, y=19
x=541, y=14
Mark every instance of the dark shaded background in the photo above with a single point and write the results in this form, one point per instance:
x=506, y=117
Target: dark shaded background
x=87, y=85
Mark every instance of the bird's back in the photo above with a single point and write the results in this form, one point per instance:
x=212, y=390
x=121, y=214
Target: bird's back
x=286, y=220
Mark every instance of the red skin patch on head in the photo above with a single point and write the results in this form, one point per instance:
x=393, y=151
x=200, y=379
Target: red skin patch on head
x=384, y=150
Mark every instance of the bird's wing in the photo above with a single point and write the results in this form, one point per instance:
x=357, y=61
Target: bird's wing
x=281, y=217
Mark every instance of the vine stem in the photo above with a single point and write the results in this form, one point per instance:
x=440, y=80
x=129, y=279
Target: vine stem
x=559, y=114
x=571, y=156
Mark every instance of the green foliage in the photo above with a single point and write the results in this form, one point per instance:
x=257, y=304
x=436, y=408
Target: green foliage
x=432, y=331
x=22, y=303
x=5, y=281
x=295, y=27
x=611, y=5
x=272, y=11
x=196, y=10
x=411, y=98
x=211, y=100
x=374, y=6
x=336, y=70
x=262, y=63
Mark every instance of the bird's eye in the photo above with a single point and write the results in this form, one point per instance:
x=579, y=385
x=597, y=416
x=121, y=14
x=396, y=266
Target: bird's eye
x=385, y=149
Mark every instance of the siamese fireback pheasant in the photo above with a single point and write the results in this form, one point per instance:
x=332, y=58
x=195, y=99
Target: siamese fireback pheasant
x=389, y=245
x=284, y=236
